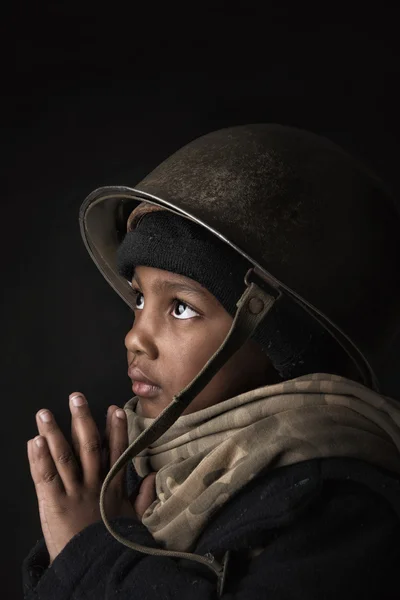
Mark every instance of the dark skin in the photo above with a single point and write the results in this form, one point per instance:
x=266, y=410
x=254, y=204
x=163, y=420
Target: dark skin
x=68, y=480
x=178, y=325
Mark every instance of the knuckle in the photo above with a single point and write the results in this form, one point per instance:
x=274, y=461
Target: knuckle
x=65, y=457
x=49, y=476
x=91, y=446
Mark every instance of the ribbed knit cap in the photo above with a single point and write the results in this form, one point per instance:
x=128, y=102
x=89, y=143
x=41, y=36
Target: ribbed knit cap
x=164, y=240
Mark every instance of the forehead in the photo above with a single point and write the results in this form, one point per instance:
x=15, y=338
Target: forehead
x=161, y=281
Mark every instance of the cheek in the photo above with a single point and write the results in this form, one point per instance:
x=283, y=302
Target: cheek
x=186, y=353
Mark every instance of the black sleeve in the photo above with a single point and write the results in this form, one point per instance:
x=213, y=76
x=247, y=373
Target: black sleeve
x=95, y=565
x=345, y=546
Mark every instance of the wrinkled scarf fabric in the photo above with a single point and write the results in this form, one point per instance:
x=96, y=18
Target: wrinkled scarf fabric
x=208, y=456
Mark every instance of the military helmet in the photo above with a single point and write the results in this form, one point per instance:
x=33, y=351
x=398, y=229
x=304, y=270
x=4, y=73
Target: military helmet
x=319, y=228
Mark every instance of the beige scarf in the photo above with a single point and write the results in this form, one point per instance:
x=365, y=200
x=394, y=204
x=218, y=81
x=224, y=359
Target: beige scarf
x=208, y=456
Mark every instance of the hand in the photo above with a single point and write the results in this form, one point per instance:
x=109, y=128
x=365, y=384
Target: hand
x=68, y=489
x=146, y=495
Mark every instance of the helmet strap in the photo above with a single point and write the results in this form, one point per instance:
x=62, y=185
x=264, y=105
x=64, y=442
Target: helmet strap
x=252, y=307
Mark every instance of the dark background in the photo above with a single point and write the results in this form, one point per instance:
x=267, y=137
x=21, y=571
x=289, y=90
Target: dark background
x=91, y=99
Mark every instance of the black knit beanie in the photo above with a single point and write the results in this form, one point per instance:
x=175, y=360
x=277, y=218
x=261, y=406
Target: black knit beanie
x=167, y=241
x=295, y=343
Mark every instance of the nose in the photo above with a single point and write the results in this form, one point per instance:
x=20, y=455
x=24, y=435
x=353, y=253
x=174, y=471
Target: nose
x=140, y=339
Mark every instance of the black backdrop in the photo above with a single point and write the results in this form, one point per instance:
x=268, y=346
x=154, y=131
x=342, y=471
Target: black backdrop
x=92, y=98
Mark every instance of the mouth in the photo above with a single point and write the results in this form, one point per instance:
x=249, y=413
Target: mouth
x=142, y=386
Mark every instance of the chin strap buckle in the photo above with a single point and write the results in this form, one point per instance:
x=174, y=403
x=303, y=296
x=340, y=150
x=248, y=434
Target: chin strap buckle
x=268, y=285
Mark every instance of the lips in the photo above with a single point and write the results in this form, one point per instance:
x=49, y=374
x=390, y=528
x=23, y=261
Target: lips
x=137, y=375
x=142, y=385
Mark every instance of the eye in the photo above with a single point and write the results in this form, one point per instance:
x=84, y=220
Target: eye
x=183, y=311
x=139, y=300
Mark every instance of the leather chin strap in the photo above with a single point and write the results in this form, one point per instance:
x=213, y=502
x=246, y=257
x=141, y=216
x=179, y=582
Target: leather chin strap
x=253, y=306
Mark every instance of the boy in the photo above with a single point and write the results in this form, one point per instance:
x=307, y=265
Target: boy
x=267, y=455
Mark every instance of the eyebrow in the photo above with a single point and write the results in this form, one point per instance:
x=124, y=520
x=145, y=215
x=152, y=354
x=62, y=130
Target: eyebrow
x=161, y=285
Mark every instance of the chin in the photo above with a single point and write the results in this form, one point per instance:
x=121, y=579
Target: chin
x=150, y=409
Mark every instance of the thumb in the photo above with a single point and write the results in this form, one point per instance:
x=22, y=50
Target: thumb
x=146, y=495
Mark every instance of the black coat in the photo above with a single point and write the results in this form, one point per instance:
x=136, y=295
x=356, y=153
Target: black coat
x=330, y=529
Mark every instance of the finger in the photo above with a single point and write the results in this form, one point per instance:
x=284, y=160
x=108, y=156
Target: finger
x=88, y=439
x=74, y=438
x=105, y=448
x=60, y=451
x=33, y=468
x=31, y=459
x=118, y=445
x=44, y=472
x=110, y=411
x=146, y=495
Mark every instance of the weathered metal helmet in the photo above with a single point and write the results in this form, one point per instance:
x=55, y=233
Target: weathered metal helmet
x=314, y=222
x=318, y=228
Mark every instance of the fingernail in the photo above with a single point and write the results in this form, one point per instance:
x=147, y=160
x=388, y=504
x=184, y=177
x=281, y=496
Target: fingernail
x=78, y=400
x=39, y=441
x=120, y=413
x=45, y=416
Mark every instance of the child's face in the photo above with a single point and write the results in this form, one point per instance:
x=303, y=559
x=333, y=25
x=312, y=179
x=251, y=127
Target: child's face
x=178, y=326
